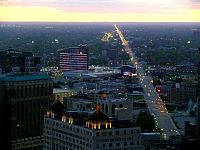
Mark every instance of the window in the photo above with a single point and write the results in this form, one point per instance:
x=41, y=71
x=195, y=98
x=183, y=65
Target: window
x=124, y=132
x=113, y=109
x=106, y=108
x=117, y=132
x=120, y=106
x=102, y=107
x=131, y=131
x=138, y=131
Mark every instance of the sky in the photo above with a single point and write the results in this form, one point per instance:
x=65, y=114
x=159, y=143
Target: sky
x=100, y=10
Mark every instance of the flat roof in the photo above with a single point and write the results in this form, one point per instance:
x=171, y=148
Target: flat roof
x=59, y=90
x=24, y=77
x=116, y=100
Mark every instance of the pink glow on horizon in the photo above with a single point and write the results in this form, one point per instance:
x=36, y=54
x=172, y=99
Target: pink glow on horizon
x=189, y=8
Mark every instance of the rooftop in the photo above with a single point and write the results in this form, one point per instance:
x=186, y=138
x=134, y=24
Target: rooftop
x=116, y=100
x=88, y=119
x=59, y=90
x=24, y=77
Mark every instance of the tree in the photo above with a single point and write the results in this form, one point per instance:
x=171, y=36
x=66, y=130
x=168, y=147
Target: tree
x=146, y=122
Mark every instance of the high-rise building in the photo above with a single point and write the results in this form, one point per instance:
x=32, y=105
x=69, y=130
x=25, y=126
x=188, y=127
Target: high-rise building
x=73, y=58
x=24, y=100
x=88, y=130
x=17, y=61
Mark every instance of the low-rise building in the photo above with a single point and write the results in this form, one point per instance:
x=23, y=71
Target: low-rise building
x=113, y=107
x=61, y=93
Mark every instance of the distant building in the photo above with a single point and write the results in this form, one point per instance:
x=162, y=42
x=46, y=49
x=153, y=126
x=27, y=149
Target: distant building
x=118, y=107
x=73, y=58
x=69, y=101
x=151, y=136
x=18, y=61
x=82, y=105
x=111, y=56
x=61, y=93
x=24, y=100
x=128, y=70
x=189, y=129
x=175, y=95
x=88, y=130
x=183, y=92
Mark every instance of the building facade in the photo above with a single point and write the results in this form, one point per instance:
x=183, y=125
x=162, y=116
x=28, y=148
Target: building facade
x=61, y=93
x=182, y=93
x=18, y=61
x=73, y=58
x=82, y=130
x=113, y=107
x=24, y=102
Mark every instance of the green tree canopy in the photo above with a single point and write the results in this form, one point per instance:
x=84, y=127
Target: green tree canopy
x=146, y=122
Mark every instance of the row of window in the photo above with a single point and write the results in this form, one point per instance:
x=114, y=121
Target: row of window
x=32, y=91
x=81, y=144
x=77, y=130
x=111, y=140
x=65, y=126
x=26, y=144
x=66, y=146
x=124, y=132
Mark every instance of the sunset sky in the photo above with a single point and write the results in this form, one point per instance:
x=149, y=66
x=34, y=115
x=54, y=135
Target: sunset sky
x=100, y=10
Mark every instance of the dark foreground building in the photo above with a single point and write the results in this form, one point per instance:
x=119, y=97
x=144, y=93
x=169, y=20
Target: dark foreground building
x=13, y=60
x=24, y=100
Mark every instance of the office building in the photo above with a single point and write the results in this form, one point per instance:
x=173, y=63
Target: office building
x=24, y=100
x=88, y=130
x=18, y=61
x=82, y=105
x=182, y=93
x=73, y=58
x=121, y=107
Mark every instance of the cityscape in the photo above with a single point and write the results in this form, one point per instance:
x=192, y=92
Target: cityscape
x=74, y=76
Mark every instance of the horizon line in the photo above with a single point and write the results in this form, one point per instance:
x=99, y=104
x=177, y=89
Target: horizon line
x=100, y=22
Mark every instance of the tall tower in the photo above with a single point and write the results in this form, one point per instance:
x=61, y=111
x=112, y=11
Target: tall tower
x=198, y=99
x=24, y=100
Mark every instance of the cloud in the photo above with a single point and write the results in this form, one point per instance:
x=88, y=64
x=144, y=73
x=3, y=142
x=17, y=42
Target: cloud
x=194, y=4
x=111, y=6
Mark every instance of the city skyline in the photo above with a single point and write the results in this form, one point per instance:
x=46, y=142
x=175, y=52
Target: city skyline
x=100, y=10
